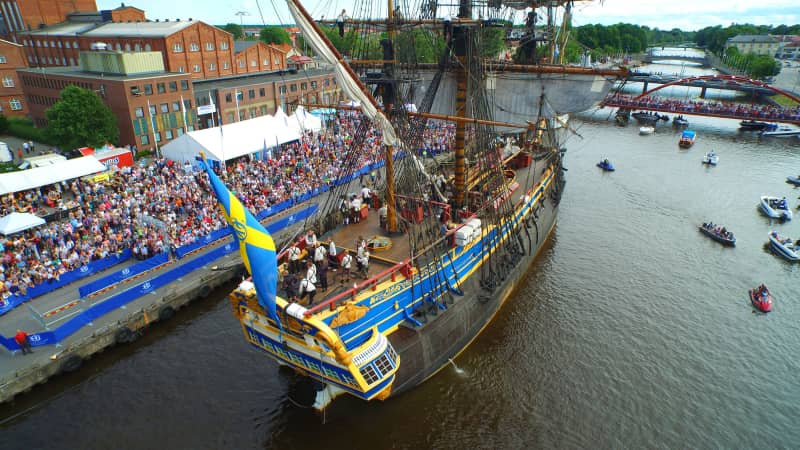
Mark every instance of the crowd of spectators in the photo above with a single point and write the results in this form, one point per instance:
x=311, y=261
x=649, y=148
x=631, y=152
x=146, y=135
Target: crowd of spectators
x=736, y=110
x=152, y=207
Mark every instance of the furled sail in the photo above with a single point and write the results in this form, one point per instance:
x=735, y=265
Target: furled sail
x=350, y=85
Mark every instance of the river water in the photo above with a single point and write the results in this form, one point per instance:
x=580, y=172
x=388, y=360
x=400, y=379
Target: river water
x=632, y=330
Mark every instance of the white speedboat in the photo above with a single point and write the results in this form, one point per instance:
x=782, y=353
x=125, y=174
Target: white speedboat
x=711, y=158
x=782, y=132
x=775, y=207
x=647, y=129
x=784, y=246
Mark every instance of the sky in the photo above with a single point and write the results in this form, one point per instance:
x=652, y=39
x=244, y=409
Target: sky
x=688, y=15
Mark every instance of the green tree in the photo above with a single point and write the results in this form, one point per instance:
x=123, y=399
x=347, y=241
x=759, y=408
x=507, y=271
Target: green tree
x=3, y=124
x=763, y=66
x=274, y=35
x=80, y=118
x=235, y=29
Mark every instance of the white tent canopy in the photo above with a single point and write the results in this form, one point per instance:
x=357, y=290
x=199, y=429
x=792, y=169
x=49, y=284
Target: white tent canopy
x=305, y=120
x=55, y=173
x=232, y=140
x=16, y=222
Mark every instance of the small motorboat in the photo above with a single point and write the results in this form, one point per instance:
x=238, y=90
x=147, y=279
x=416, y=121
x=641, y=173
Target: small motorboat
x=646, y=129
x=782, y=132
x=755, y=125
x=718, y=233
x=784, y=247
x=775, y=208
x=646, y=117
x=606, y=165
x=711, y=158
x=687, y=139
x=761, y=298
x=794, y=180
x=680, y=121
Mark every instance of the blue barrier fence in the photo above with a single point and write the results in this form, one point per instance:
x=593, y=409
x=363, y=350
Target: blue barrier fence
x=66, y=278
x=100, y=309
x=122, y=275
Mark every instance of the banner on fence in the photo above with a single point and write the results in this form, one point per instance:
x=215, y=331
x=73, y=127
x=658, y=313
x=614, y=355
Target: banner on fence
x=122, y=275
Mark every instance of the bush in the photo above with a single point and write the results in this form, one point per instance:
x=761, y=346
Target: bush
x=23, y=128
x=3, y=124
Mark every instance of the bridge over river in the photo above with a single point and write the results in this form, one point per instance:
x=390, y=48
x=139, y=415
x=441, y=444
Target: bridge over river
x=649, y=102
x=653, y=56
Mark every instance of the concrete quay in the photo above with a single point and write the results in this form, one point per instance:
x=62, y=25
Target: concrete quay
x=20, y=373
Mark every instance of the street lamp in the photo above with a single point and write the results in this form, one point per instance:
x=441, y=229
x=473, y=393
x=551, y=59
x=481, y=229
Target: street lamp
x=236, y=93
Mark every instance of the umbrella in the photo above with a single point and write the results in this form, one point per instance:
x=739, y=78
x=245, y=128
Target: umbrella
x=16, y=222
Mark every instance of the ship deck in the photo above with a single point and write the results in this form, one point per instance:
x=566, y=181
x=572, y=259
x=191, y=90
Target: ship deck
x=381, y=261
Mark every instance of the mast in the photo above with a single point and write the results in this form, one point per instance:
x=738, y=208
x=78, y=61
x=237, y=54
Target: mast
x=391, y=210
x=460, y=44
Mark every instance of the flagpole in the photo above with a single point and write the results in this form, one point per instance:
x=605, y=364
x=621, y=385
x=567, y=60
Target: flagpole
x=183, y=109
x=153, y=124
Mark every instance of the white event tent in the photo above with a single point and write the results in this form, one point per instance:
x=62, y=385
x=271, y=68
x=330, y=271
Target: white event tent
x=16, y=222
x=55, y=173
x=239, y=138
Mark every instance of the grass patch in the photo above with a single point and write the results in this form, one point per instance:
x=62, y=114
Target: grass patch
x=784, y=100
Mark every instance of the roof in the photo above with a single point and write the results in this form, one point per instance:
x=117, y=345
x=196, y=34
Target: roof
x=240, y=46
x=753, y=38
x=300, y=59
x=259, y=78
x=77, y=72
x=115, y=29
x=124, y=7
x=42, y=176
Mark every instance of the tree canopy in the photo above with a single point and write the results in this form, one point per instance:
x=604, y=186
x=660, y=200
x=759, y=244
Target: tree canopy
x=274, y=35
x=80, y=118
x=235, y=29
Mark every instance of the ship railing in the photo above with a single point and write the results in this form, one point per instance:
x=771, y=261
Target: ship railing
x=402, y=268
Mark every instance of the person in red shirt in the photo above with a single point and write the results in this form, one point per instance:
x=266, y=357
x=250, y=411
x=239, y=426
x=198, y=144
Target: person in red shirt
x=22, y=339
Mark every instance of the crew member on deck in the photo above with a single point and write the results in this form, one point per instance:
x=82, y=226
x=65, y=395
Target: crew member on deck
x=340, y=22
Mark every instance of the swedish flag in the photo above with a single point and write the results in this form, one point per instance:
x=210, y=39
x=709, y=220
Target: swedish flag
x=255, y=243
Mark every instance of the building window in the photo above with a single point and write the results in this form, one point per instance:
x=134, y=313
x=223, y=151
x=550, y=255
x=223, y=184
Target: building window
x=30, y=59
x=145, y=139
x=50, y=60
x=210, y=46
x=313, y=85
x=176, y=106
x=137, y=47
x=212, y=67
x=168, y=134
x=226, y=65
x=303, y=86
x=180, y=69
x=184, y=85
x=67, y=44
x=277, y=61
x=266, y=61
x=16, y=105
x=242, y=115
x=147, y=47
x=127, y=47
x=187, y=104
x=327, y=82
x=228, y=98
x=173, y=86
x=139, y=111
x=263, y=110
x=152, y=110
x=293, y=88
x=118, y=47
x=282, y=89
x=63, y=61
x=158, y=136
x=196, y=68
x=72, y=61
x=2, y=59
x=161, y=88
x=193, y=47
x=148, y=89
x=223, y=45
x=8, y=82
x=180, y=132
x=253, y=63
x=229, y=117
x=241, y=63
x=164, y=108
x=44, y=44
x=251, y=93
x=253, y=113
x=177, y=48
x=262, y=92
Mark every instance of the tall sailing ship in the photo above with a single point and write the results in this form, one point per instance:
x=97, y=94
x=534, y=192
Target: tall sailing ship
x=459, y=230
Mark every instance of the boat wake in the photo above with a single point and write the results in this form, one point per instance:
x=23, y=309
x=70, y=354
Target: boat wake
x=459, y=370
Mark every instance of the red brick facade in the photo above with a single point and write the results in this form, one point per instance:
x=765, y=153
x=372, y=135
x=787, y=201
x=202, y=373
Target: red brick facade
x=199, y=49
x=127, y=97
x=21, y=15
x=12, y=98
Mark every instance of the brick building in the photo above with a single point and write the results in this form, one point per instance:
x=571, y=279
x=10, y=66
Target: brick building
x=188, y=46
x=21, y=15
x=12, y=98
x=133, y=84
x=258, y=95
